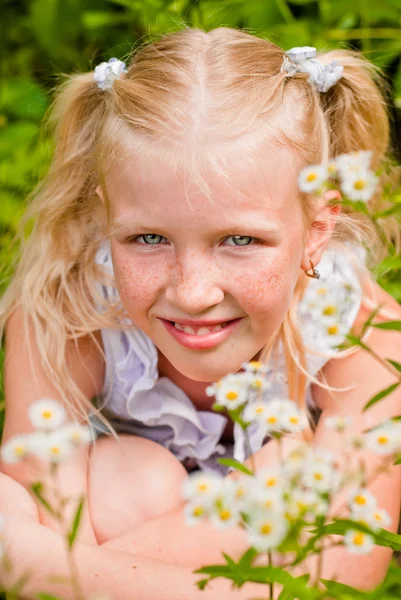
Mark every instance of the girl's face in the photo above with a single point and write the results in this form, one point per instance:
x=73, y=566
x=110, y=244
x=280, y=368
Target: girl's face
x=181, y=259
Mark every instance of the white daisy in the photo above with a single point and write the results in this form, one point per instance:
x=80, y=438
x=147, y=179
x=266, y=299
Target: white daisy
x=306, y=502
x=255, y=367
x=312, y=177
x=232, y=391
x=51, y=447
x=358, y=542
x=360, y=498
x=338, y=423
x=76, y=434
x=254, y=410
x=294, y=420
x=374, y=518
x=359, y=186
x=202, y=486
x=224, y=514
x=353, y=162
x=195, y=511
x=241, y=491
x=267, y=530
x=385, y=439
x=16, y=448
x=46, y=414
x=320, y=476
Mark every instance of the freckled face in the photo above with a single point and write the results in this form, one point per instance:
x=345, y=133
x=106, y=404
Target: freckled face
x=180, y=256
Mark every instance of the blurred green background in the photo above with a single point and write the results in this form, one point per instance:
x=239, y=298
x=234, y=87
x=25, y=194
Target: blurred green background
x=44, y=38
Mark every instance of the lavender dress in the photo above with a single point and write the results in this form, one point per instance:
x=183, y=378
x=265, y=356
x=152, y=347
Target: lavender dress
x=137, y=401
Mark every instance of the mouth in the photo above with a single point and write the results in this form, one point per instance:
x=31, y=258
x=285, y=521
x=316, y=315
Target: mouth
x=202, y=337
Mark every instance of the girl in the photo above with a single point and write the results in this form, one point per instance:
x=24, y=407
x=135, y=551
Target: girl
x=171, y=245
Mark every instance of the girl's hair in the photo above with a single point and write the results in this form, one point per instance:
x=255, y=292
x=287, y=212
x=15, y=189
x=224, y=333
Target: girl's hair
x=192, y=99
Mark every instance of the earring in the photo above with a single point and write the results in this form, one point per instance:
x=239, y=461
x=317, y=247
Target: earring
x=315, y=273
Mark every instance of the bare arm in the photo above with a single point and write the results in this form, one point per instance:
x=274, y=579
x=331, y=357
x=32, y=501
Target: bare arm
x=24, y=383
x=35, y=548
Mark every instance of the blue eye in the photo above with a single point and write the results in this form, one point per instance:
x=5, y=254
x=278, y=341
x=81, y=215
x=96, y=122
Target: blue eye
x=241, y=239
x=151, y=239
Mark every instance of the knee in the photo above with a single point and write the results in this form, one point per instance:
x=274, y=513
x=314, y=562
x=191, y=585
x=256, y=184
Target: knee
x=131, y=481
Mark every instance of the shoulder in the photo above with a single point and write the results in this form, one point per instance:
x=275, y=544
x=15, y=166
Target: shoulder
x=365, y=372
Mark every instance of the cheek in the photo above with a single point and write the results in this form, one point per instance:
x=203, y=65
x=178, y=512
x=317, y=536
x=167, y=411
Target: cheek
x=266, y=292
x=137, y=281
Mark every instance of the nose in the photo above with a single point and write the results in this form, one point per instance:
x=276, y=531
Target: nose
x=193, y=286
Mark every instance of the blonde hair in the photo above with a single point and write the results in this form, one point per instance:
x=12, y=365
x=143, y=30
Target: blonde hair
x=192, y=97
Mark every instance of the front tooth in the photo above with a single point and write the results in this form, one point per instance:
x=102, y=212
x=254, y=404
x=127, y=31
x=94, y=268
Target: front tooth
x=179, y=326
x=188, y=329
x=217, y=327
x=202, y=331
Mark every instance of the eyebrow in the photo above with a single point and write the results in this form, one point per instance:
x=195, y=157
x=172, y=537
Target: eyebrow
x=261, y=227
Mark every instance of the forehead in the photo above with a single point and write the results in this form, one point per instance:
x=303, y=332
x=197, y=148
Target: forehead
x=142, y=185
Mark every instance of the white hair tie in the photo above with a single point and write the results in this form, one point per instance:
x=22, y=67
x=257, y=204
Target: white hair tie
x=301, y=60
x=107, y=72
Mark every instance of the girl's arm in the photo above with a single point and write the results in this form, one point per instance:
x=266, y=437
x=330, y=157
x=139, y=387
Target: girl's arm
x=169, y=538
x=26, y=382
x=35, y=549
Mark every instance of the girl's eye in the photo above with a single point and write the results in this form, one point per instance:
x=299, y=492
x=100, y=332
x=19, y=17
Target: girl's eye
x=241, y=240
x=150, y=239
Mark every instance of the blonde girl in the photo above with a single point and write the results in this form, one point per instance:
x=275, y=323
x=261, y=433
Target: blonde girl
x=171, y=209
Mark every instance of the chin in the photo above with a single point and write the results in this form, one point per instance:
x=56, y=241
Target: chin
x=206, y=373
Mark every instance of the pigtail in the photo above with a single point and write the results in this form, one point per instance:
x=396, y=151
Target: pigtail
x=357, y=117
x=54, y=279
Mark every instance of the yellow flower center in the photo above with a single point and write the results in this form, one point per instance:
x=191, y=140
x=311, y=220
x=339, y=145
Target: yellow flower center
x=256, y=364
x=359, y=538
x=231, y=395
x=360, y=184
x=294, y=420
x=240, y=492
x=47, y=414
x=360, y=500
x=311, y=177
x=272, y=419
x=19, y=450
x=202, y=487
x=329, y=310
x=225, y=514
x=257, y=384
x=198, y=511
x=268, y=503
x=321, y=291
x=55, y=450
x=318, y=476
x=266, y=529
x=382, y=440
x=259, y=410
x=332, y=330
x=271, y=482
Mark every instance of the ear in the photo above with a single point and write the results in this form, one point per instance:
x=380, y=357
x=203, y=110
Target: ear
x=99, y=192
x=320, y=230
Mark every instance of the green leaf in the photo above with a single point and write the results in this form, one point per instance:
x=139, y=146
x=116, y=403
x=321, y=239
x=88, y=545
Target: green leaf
x=46, y=597
x=390, y=325
x=395, y=364
x=381, y=395
x=75, y=525
x=231, y=462
x=381, y=537
x=37, y=489
x=334, y=587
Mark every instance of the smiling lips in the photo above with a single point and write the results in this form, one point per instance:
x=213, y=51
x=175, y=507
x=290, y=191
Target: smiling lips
x=204, y=335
